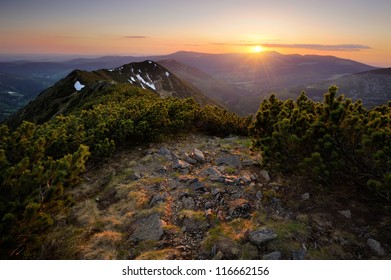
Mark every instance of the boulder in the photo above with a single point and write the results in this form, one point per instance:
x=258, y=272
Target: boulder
x=375, y=247
x=188, y=159
x=276, y=255
x=155, y=199
x=265, y=175
x=211, y=171
x=188, y=202
x=346, y=213
x=305, y=196
x=262, y=236
x=198, y=156
x=147, y=228
x=233, y=161
x=180, y=164
x=299, y=254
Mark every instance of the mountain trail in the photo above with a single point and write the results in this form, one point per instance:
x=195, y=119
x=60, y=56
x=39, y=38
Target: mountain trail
x=203, y=197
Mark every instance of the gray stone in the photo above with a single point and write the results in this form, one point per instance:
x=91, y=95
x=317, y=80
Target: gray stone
x=233, y=161
x=208, y=205
x=164, y=151
x=198, y=155
x=198, y=186
x=245, y=180
x=276, y=255
x=188, y=159
x=180, y=164
x=299, y=254
x=258, y=195
x=148, y=228
x=188, y=202
x=247, y=162
x=265, y=175
x=346, y=213
x=305, y=196
x=211, y=171
x=254, y=177
x=215, y=191
x=375, y=247
x=262, y=236
x=155, y=199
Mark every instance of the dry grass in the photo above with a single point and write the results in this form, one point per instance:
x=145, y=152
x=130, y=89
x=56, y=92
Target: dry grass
x=165, y=254
x=103, y=246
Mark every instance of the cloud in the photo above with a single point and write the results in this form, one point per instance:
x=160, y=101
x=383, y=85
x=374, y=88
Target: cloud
x=135, y=37
x=319, y=47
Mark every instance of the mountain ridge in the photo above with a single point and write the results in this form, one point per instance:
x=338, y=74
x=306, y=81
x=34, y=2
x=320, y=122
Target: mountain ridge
x=147, y=75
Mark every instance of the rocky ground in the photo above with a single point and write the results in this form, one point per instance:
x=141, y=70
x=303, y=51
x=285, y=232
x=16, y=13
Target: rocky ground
x=202, y=197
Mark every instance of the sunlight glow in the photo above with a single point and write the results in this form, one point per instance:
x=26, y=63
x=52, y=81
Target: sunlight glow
x=257, y=49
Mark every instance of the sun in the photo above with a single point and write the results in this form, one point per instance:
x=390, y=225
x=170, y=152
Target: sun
x=257, y=49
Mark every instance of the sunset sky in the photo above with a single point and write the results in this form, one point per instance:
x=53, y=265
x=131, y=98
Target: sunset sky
x=359, y=30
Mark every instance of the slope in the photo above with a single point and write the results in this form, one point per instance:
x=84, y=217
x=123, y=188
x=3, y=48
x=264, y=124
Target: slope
x=69, y=91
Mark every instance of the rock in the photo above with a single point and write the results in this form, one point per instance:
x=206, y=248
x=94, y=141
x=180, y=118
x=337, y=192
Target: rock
x=194, y=224
x=162, y=169
x=198, y=156
x=180, y=164
x=215, y=191
x=258, y=195
x=346, y=213
x=245, y=180
x=134, y=176
x=188, y=202
x=247, y=162
x=233, y=161
x=198, y=186
x=262, y=236
x=155, y=199
x=299, y=254
x=208, y=205
x=265, y=175
x=220, y=179
x=148, y=228
x=375, y=247
x=239, y=208
x=164, y=151
x=276, y=255
x=305, y=196
x=188, y=159
x=211, y=171
x=254, y=177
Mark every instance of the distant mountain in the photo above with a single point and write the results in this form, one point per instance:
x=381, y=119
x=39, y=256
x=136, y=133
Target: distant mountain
x=71, y=90
x=240, y=81
x=372, y=87
x=210, y=86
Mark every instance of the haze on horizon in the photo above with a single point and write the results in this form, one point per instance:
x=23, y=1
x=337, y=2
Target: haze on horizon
x=352, y=29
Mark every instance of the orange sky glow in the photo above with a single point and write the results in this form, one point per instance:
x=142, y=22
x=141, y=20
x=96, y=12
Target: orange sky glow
x=351, y=29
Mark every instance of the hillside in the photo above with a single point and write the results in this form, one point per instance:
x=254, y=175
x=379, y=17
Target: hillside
x=372, y=87
x=68, y=92
x=239, y=81
x=203, y=197
x=127, y=174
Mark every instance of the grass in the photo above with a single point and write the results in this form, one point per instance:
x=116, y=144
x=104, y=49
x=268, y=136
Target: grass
x=164, y=254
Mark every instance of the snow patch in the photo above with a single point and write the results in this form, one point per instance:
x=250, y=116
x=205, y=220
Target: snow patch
x=133, y=79
x=150, y=62
x=167, y=74
x=150, y=83
x=78, y=86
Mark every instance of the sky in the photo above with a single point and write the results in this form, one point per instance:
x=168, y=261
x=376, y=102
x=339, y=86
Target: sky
x=354, y=29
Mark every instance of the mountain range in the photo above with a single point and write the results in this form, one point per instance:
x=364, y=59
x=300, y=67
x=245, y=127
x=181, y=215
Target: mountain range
x=237, y=81
x=62, y=96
